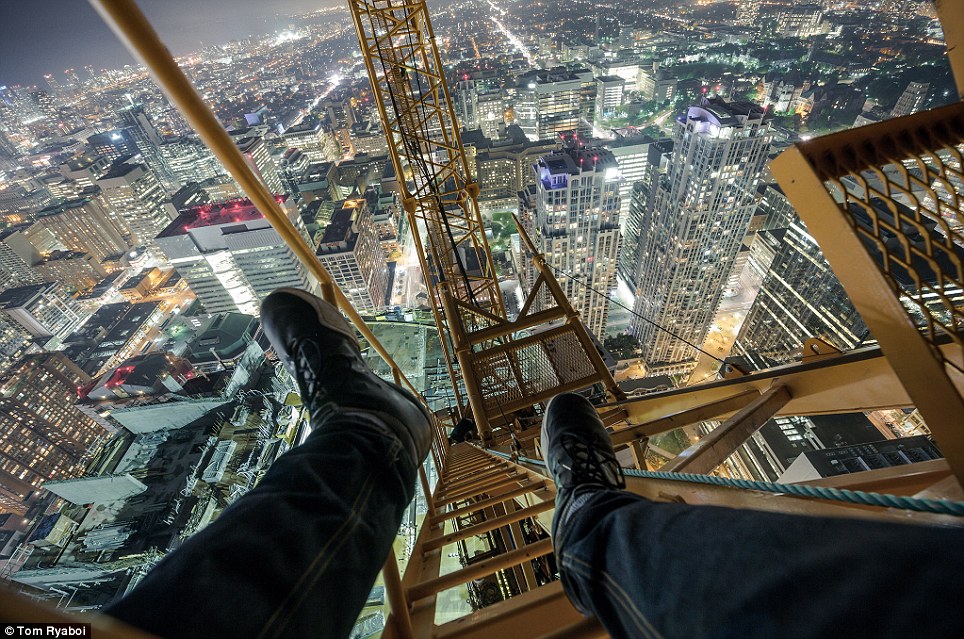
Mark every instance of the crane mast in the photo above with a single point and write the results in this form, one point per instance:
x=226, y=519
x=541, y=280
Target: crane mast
x=505, y=367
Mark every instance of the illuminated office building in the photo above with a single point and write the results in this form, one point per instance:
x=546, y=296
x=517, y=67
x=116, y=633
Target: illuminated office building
x=83, y=225
x=550, y=103
x=575, y=224
x=230, y=255
x=42, y=310
x=691, y=234
x=43, y=436
x=256, y=154
x=133, y=193
x=351, y=252
x=911, y=100
x=148, y=141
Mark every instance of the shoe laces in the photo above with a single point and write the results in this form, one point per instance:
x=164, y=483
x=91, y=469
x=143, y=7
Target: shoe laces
x=307, y=359
x=591, y=463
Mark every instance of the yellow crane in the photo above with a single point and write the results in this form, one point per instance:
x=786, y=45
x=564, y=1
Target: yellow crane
x=509, y=367
x=503, y=373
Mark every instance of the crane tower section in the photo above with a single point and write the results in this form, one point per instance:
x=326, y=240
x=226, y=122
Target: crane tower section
x=505, y=366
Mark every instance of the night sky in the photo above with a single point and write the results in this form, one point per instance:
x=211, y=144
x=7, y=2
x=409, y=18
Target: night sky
x=48, y=36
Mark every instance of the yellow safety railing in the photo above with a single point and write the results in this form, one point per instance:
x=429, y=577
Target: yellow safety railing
x=126, y=20
x=885, y=203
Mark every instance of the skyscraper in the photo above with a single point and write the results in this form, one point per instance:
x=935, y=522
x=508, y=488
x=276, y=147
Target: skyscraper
x=148, y=141
x=259, y=159
x=575, y=224
x=83, y=225
x=17, y=257
x=504, y=166
x=314, y=140
x=911, y=100
x=43, y=435
x=609, y=97
x=133, y=193
x=632, y=153
x=190, y=160
x=692, y=232
x=554, y=102
x=351, y=252
x=800, y=298
x=636, y=196
x=230, y=255
x=478, y=98
x=55, y=86
x=43, y=310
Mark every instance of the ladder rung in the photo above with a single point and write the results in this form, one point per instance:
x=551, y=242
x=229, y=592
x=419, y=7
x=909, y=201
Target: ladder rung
x=484, y=567
x=466, y=468
x=614, y=416
x=484, y=488
x=463, y=473
x=471, y=479
x=489, y=501
x=529, y=614
x=471, y=487
x=488, y=524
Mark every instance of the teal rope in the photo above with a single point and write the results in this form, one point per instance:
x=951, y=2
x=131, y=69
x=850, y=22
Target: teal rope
x=940, y=506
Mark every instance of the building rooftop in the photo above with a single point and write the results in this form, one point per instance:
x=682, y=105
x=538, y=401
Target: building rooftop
x=144, y=374
x=23, y=295
x=121, y=167
x=56, y=209
x=10, y=230
x=101, y=287
x=83, y=162
x=338, y=235
x=245, y=144
x=136, y=279
x=58, y=256
x=225, y=337
x=304, y=127
x=106, y=332
x=229, y=212
x=574, y=160
x=717, y=111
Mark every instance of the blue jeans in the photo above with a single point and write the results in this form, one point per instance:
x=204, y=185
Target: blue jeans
x=294, y=557
x=649, y=569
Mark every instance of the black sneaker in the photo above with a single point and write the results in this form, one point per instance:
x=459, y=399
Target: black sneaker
x=578, y=453
x=319, y=349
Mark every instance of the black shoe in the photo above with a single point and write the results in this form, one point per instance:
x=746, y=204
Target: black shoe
x=319, y=349
x=578, y=452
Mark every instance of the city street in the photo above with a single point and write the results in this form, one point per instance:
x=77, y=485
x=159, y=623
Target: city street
x=737, y=301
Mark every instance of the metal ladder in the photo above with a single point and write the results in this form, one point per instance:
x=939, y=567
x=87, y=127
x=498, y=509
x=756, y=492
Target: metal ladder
x=479, y=493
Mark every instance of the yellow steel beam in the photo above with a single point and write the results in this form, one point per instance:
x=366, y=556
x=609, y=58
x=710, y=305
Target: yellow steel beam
x=700, y=413
x=812, y=175
x=856, y=381
x=951, y=15
x=719, y=444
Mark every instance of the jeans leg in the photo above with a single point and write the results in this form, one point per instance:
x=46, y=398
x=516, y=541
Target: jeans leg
x=649, y=569
x=294, y=557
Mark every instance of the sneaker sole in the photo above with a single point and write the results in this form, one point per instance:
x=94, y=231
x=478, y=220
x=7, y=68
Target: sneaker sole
x=328, y=314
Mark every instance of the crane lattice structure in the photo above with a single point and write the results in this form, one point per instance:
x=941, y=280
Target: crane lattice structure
x=502, y=371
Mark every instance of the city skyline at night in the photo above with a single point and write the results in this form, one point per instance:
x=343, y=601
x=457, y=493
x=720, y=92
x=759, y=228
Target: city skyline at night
x=633, y=142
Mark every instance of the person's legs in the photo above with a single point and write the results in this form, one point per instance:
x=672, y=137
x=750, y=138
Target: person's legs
x=297, y=555
x=649, y=569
